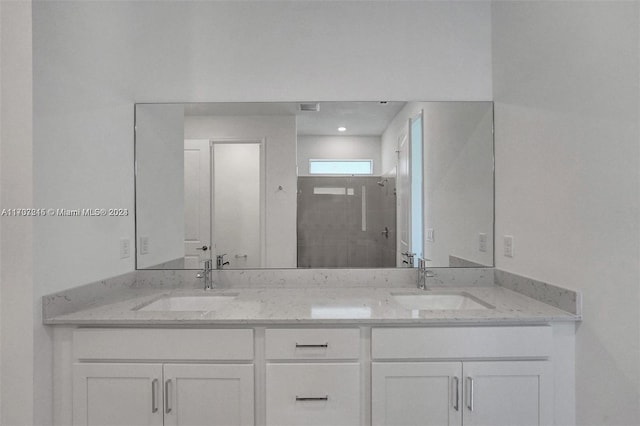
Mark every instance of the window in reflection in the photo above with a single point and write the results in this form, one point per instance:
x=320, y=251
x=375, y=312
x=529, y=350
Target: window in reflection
x=340, y=167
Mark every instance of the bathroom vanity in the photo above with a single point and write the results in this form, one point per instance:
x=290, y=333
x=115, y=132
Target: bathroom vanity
x=310, y=355
x=314, y=347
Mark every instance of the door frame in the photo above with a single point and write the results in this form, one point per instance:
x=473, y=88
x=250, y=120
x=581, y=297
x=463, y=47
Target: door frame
x=412, y=154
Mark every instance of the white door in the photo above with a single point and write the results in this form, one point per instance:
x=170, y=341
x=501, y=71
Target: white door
x=510, y=393
x=197, y=202
x=238, y=202
x=416, y=393
x=212, y=395
x=403, y=199
x=117, y=394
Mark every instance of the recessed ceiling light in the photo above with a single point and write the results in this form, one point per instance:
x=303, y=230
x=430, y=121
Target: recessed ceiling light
x=342, y=129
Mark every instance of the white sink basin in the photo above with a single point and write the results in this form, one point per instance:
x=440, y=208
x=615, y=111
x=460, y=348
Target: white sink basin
x=189, y=303
x=432, y=302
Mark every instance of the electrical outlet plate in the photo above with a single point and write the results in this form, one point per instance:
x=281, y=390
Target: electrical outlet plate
x=125, y=248
x=508, y=245
x=144, y=245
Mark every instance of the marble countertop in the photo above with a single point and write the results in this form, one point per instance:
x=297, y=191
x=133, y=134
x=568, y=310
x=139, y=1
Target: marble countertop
x=317, y=306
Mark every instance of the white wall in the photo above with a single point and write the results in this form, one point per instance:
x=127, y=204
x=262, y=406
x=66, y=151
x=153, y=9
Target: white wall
x=83, y=80
x=567, y=178
x=160, y=182
x=18, y=311
x=339, y=148
x=323, y=50
x=93, y=60
x=83, y=138
x=279, y=133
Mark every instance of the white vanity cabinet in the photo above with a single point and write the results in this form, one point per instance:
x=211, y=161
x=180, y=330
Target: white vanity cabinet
x=486, y=391
x=298, y=375
x=312, y=377
x=107, y=391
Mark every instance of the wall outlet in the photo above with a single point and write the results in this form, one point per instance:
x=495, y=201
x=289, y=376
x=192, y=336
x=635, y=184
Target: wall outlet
x=430, y=235
x=125, y=248
x=482, y=242
x=144, y=245
x=508, y=245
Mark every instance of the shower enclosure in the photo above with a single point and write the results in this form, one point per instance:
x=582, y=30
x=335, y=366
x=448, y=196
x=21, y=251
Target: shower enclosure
x=346, y=222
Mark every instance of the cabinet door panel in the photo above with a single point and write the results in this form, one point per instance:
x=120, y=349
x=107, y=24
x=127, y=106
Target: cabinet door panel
x=209, y=395
x=518, y=393
x=416, y=393
x=117, y=394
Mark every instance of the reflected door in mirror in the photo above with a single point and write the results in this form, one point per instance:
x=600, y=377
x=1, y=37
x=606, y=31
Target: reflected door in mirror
x=237, y=203
x=197, y=202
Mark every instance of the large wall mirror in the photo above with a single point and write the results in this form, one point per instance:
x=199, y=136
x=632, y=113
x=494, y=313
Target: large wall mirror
x=314, y=184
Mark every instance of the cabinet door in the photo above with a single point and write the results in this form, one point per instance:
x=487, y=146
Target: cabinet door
x=416, y=393
x=117, y=394
x=198, y=394
x=514, y=393
x=314, y=394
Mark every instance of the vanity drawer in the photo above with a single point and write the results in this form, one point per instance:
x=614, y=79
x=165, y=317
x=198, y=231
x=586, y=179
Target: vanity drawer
x=162, y=344
x=329, y=343
x=316, y=394
x=462, y=342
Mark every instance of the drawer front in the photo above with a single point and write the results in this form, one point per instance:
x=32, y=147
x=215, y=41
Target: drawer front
x=163, y=344
x=312, y=343
x=461, y=342
x=315, y=394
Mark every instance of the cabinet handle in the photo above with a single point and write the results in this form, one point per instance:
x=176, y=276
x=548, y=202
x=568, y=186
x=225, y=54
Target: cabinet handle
x=322, y=345
x=317, y=398
x=167, y=397
x=456, y=404
x=154, y=397
x=470, y=390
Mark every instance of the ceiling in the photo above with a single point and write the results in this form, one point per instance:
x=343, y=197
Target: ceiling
x=359, y=118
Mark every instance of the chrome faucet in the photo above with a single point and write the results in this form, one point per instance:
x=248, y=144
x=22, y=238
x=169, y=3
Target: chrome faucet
x=206, y=274
x=423, y=274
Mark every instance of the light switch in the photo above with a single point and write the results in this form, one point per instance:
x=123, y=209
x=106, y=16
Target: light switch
x=430, y=235
x=508, y=245
x=482, y=242
x=125, y=247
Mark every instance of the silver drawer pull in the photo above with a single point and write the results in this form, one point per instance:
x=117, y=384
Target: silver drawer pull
x=470, y=390
x=317, y=398
x=322, y=345
x=167, y=396
x=456, y=404
x=154, y=400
